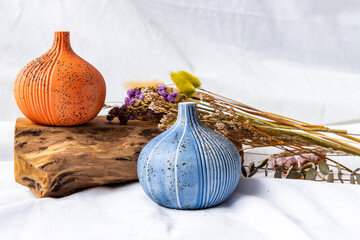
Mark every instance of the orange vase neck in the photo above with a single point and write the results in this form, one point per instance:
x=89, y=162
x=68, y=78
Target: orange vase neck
x=62, y=41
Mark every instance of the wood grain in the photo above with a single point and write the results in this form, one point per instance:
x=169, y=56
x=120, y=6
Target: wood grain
x=57, y=161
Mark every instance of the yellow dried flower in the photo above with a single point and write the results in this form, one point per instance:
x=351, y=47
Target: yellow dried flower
x=183, y=84
x=191, y=78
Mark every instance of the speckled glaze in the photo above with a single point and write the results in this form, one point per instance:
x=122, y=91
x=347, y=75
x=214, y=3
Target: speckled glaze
x=189, y=166
x=60, y=88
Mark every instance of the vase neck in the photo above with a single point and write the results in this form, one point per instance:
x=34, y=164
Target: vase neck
x=62, y=40
x=187, y=112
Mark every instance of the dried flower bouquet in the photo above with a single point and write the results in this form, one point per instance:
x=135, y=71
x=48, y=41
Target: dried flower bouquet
x=305, y=147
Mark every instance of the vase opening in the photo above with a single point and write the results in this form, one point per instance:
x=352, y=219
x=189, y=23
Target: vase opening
x=62, y=40
x=187, y=111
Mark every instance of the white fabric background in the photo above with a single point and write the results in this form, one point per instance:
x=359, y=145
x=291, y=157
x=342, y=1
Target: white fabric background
x=296, y=58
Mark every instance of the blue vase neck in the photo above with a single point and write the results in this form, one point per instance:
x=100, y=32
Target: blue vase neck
x=187, y=112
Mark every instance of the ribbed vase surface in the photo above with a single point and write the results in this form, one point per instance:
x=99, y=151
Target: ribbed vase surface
x=189, y=166
x=60, y=88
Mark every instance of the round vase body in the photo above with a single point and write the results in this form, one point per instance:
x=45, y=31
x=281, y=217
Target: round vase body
x=60, y=88
x=189, y=166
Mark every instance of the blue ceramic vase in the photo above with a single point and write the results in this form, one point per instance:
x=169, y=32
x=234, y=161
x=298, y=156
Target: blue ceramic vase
x=189, y=166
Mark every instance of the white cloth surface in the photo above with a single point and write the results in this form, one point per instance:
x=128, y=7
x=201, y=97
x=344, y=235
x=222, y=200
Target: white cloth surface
x=260, y=208
x=295, y=58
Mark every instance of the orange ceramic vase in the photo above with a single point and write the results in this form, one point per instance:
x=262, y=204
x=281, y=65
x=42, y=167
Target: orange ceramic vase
x=60, y=88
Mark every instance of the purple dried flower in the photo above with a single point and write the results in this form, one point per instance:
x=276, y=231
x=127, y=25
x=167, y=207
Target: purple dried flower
x=163, y=93
x=123, y=120
x=109, y=117
x=113, y=110
x=161, y=88
x=165, y=98
x=130, y=93
x=123, y=106
x=127, y=100
x=137, y=93
x=139, y=113
x=131, y=118
x=132, y=101
x=151, y=112
x=171, y=97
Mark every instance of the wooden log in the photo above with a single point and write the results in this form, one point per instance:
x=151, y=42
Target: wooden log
x=57, y=161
